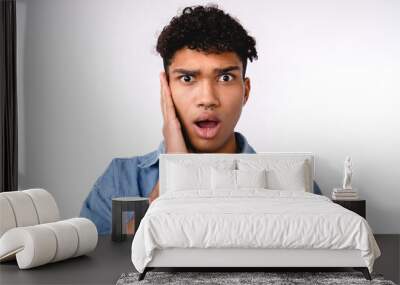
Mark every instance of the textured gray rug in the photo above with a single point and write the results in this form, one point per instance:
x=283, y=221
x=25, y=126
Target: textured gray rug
x=228, y=278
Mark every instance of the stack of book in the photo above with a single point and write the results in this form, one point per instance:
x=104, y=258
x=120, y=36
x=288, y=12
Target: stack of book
x=344, y=194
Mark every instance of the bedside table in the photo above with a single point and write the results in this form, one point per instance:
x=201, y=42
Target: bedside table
x=123, y=209
x=357, y=206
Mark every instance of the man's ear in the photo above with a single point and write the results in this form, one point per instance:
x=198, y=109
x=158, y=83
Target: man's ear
x=246, y=90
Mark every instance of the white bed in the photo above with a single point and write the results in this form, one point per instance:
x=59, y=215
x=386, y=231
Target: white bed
x=209, y=226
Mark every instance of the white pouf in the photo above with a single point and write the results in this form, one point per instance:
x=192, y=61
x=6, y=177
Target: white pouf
x=40, y=244
x=32, y=233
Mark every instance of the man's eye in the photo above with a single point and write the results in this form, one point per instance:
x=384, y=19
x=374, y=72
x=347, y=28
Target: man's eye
x=186, y=78
x=226, y=77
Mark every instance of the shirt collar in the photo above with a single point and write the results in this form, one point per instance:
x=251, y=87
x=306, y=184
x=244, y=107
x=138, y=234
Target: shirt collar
x=244, y=147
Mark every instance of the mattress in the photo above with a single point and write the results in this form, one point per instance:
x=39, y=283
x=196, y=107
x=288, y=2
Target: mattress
x=250, y=219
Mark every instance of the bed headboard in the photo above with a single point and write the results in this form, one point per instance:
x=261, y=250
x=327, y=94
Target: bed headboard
x=306, y=156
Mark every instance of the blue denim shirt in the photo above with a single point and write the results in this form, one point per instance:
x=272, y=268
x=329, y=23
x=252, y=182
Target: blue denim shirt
x=133, y=176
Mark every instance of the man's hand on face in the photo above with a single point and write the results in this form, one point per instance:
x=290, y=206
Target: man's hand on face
x=172, y=129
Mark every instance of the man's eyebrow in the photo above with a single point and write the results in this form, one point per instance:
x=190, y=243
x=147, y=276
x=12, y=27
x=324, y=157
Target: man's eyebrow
x=196, y=71
x=226, y=69
x=186, y=71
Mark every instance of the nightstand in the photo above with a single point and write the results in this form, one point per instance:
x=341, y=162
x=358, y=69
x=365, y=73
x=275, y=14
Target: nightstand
x=123, y=210
x=357, y=206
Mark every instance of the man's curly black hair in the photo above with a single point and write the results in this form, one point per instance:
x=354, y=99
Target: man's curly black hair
x=207, y=29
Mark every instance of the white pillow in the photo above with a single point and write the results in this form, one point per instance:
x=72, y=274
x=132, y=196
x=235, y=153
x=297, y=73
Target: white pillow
x=251, y=178
x=223, y=179
x=281, y=174
x=228, y=179
x=182, y=177
x=186, y=174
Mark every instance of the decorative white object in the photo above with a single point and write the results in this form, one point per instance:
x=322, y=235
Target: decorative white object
x=348, y=173
x=32, y=233
x=45, y=205
x=22, y=208
x=347, y=192
x=27, y=208
x=7, y=216
x=46, y=243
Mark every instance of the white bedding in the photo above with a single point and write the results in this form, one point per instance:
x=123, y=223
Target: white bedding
x=250, y=218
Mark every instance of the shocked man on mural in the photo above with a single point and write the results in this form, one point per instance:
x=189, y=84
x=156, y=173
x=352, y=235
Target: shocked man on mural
x=203, y=90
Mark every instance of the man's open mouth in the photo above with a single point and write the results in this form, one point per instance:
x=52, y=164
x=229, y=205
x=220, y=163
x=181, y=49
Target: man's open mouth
x=207, y=128
x=207, y=124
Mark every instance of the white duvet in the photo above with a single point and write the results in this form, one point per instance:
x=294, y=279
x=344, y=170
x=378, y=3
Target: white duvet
x=251, y=218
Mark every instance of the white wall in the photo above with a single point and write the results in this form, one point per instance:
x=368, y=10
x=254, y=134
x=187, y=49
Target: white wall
x=327, y=81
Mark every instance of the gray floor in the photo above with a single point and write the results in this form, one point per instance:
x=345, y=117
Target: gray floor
x=110, y=260
x=389, y=262
x=102, y=266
